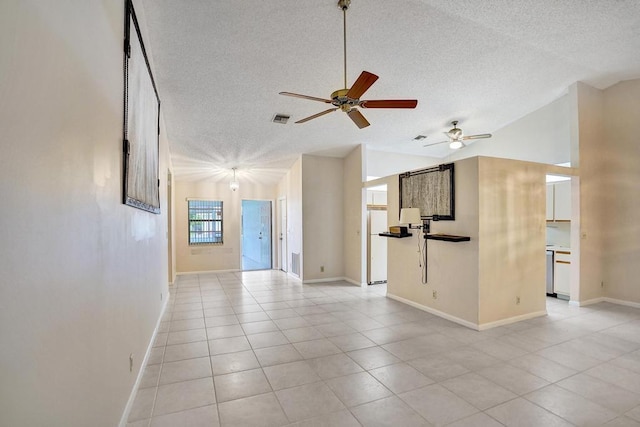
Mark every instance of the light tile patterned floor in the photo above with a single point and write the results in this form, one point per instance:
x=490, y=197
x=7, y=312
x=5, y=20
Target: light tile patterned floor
x=261, y=349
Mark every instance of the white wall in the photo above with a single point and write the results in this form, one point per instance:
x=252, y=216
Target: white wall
x=542, y=136
x=354, y=212
x=82, y=274
x=323, y=217
x=216, y=257
x=621, y=224
x=381, y=163
x=292, y=184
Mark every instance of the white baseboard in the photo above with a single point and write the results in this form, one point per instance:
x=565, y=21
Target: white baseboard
x=587, y=302
x=353, y=282
x=470, y=325
x=328, y=279
x=189, y=273
x=605, y=299
x=134, y=391
x=510, y=320
x=622, y=302
x=438, y=313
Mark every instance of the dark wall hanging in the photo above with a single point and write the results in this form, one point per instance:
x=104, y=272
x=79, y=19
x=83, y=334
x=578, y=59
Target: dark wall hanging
x=141, y=122
x=431, y=190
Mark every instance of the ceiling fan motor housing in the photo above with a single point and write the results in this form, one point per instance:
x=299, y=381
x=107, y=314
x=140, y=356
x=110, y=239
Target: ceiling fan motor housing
x=340, y=99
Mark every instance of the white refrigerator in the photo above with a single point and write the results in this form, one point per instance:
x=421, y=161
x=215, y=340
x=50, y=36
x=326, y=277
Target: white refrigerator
x=377, y=246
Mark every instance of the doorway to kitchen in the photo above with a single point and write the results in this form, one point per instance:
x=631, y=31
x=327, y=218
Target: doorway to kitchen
x=561, y=240
x=256, y=235
x=376, y=245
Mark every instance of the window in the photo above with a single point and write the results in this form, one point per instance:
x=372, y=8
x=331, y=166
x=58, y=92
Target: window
x=205, y=222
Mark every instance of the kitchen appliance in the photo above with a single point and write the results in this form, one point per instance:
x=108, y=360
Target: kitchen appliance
x=550, y=264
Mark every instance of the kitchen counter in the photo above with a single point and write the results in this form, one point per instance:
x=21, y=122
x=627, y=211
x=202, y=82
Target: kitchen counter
x=558, y=248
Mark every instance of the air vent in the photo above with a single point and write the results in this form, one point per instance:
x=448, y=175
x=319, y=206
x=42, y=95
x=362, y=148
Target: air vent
x=419, y=137
x=281, y=118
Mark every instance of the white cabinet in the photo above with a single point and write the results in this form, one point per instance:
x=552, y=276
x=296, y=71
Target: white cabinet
x=550, y=194
x=559, y=201
x=562, y=272
x=562, y=201
x=377, y=198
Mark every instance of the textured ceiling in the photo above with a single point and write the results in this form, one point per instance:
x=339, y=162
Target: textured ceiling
x=219, y=66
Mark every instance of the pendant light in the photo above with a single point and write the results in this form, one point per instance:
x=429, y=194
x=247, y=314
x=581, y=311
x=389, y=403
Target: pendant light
x=234, y=185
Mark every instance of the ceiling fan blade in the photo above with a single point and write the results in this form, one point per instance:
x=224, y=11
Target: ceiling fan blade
x=483, y=135
x=315, y=116
x=358, y=118
x=435, y=143
x=311, y=98
x=390, y=103
x=364, y=82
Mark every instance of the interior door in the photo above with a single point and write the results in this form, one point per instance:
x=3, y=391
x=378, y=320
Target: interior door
x=256, y=235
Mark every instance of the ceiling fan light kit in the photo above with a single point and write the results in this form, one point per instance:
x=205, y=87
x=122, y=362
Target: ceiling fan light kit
x=456, y=137
x=348, y=99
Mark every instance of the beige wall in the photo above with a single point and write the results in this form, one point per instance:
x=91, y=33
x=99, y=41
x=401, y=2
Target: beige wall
x=353, y=216
x=512, y=203
x=500, y=204
x=587, y=134
x=82, y=274
x=323, y=217
x=216, y=257
x=456, y=287
x=621, y=223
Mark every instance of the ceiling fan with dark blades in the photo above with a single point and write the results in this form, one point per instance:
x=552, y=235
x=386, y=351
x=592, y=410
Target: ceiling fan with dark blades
x=348, y=99
x=456, y=137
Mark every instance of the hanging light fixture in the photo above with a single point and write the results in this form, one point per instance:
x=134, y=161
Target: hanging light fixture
x=234, y=185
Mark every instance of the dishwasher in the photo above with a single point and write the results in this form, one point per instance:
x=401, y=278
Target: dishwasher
x=550, y=292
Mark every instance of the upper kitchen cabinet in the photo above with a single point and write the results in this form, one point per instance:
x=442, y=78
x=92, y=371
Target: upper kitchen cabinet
x=559, y=201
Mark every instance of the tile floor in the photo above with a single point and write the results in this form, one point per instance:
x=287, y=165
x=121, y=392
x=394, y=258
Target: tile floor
x=261, y=349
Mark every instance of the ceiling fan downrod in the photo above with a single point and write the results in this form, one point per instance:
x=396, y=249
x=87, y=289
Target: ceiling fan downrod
x=344, y=5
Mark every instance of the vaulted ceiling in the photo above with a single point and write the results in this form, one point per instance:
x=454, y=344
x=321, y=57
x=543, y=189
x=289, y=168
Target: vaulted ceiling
x=219, y=66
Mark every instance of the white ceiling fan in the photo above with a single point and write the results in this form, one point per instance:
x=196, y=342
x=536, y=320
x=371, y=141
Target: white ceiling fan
x=456, y=137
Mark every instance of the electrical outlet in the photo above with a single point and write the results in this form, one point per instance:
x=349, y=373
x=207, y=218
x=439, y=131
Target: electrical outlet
x=435, y=294
x=322, y=269
x=131, y=362
x=517, y=300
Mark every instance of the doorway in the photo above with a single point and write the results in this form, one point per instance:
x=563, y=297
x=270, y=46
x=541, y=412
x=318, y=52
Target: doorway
x=376, y=245
x=256, y=235
x=169, y=228
x=282, y=234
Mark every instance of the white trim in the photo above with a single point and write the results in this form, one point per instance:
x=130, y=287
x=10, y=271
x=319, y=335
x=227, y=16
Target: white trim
x=134, y=391
x=353, y=282
x=331, y=279
x=622, y=302
x=189, y=273
x=438, y=313
x=587, y=302
x=291, y=274
x=471, y=325
x=510, y=320
x=605, y=299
